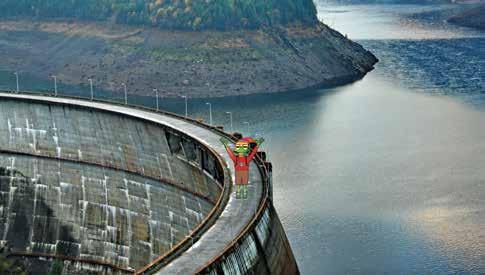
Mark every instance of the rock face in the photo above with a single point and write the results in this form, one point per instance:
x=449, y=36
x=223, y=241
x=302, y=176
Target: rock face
x=200, y=64
x=94, y=186
x=473, y=17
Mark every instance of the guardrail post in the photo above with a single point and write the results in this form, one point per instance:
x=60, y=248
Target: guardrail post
x=126, y=93
x=55, y=85
x=156, y=95
x=17, y=80
x=186, y=105
x=92, y=90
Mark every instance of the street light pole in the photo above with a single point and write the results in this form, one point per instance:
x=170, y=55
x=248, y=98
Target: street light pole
x=210, y=112
x=247, y=125
x=17, y=78
x=186, y=106
x=92, y=90
x=156, y=94
x=55, y=85
x=126, y=93
x=230, y=116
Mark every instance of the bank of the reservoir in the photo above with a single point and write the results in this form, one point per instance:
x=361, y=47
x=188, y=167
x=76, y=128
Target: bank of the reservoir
x=209, y=63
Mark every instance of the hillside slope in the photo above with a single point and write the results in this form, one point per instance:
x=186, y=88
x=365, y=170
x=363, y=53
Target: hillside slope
x=200, y=48
x=197, y=63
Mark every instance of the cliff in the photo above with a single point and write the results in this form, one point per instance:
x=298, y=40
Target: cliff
x=209, y=63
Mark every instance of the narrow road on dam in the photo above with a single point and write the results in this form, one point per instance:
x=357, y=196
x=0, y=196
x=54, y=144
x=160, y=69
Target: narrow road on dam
x=236, y=215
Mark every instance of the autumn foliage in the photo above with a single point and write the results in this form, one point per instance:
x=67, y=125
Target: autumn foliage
x=173, y=14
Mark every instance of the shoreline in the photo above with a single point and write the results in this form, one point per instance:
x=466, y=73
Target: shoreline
x=198, y=64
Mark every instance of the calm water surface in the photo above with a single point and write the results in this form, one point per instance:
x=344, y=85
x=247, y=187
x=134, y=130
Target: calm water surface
x=385, y=175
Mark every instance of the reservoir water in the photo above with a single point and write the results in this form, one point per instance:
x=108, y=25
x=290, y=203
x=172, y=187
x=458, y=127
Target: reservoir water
x=386, y=175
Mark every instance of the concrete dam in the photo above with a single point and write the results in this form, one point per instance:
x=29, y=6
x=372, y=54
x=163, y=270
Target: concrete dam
x=93, y=187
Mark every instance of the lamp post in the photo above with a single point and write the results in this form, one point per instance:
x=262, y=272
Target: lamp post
x=156, y=95
x=55, y=85
x=247, y=123
x=263, y=147
x=17, y=78
x=126, y=93
x=186, y=106
x=230, y=116
x=210, y=112
x=92, y=90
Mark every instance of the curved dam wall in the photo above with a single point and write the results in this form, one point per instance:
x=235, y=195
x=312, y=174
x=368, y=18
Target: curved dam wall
x=57, y=205
x=100, y=191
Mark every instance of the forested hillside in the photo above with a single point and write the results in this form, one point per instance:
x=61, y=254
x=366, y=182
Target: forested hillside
x=176, y=14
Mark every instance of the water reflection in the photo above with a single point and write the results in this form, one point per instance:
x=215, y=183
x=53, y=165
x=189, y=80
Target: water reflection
x=353, y=194
x=384, y=22
x=457, y=232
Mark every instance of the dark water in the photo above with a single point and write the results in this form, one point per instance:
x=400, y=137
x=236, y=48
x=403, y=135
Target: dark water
x=385, y=175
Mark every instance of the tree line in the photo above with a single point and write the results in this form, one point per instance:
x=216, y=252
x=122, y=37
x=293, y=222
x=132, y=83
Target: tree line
x=174, y=14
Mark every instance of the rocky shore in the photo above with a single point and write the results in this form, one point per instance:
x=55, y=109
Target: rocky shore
x=195, y=63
